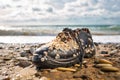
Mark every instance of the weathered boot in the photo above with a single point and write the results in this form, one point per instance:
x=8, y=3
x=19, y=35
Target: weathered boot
x=68, y=48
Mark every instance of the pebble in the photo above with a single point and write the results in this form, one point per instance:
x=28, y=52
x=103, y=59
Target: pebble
x=101, y=72
x=110, y=69
x=21, y=58
x=53, y=70
x=113, y=52
x=23, y=54
x=44, y=78
x=27, y=50
x=24, y=63
x=103, y=61
x=102, y=65
x=7, y=58
x=66, y=69
x=32, y=50
x=118, y=46
x=104, y=52
x=1, y=47
x=25, y=73
x=4, y=77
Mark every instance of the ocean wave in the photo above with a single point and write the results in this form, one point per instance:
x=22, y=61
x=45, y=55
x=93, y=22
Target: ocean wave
x=52, y=30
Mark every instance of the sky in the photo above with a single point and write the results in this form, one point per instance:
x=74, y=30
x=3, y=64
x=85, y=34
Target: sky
x=60, y=11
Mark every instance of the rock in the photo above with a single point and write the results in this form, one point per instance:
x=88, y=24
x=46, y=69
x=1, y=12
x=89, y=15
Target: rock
x=113, y=52
x=101, y=72
x=53, y=70
x=32, y=50
x=2, y=61
x=25, y=73
x=110, y=69
x=102, y=65
x=23, y=54
x=4, y=78
x=44, y=78
x=104, y=52
x=83, y=77
x=77, y=65
x=66, y=69
x=11, y=47
x=24, y=63
x=1, y=47
x=22, y=58
x=7, y=58
x=27, y=50
x=103, y=61
x=38, y=74
x=118, y=46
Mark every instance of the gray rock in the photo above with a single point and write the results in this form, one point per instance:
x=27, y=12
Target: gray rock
x=24, y=63
x=104, y=52
x=27, y=50
x=23, y=54
x=1, y=47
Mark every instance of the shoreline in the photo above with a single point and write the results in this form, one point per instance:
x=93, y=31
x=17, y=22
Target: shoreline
x=45, y=39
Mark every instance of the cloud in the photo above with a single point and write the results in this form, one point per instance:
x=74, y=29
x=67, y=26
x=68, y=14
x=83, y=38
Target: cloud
x=61, y=11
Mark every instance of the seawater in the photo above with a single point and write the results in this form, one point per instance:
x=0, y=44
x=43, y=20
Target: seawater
x=46, y=33
x=53, y=30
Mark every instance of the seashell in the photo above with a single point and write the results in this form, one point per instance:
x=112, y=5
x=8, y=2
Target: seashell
x=102, y=65
x=103, y=61
x=66, y=69
x=110, y=69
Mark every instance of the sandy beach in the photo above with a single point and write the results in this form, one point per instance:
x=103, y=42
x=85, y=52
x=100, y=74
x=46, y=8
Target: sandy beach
x=15, y=64
x=45, y=39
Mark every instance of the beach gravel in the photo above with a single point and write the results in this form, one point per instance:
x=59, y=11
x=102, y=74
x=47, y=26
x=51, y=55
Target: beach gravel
x=15, y=64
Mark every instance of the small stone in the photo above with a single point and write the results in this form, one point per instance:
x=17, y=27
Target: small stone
x=102, y=65
x=23, y=54
x=66, y=69
x=104, y=52
x=26, y=73
x=4, y=78
x=1, y=47
x=11, y=47
x=118, y=73
x=32, y=50
x=38, y=74
x=27, y=50
x=21, y=58
x=110, y=69
x=77, y=65
x=103, y=61
x=44, y=78
x=53, y=70
x=7, y=58
x=101, y=72
x=118, y=46
x=24, y=63
x=113, y=52
x=84, y=62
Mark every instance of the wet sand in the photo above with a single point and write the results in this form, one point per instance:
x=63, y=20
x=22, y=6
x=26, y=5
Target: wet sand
x=15, y=64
